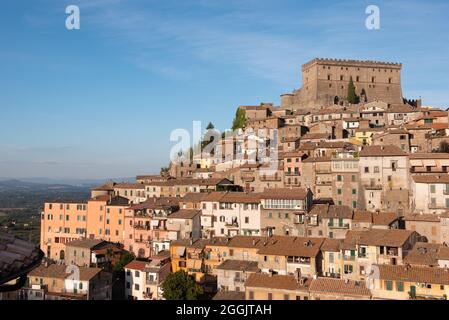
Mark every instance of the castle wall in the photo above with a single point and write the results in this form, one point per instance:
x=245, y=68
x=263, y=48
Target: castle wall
x=325, y=79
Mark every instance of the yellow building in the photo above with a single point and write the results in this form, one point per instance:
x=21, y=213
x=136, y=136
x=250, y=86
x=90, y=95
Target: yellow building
x=263, y=286
x=410, y=282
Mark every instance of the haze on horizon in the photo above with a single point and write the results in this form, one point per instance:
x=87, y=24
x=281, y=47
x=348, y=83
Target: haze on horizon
x=101, y=101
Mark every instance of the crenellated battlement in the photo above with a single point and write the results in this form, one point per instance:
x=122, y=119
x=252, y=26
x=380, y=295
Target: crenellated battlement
x=352, y=63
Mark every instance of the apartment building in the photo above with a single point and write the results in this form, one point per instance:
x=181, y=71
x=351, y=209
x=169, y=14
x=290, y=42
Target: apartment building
x=403, y=282
x=283, y=211
x=362, y=249
x=146, y=227
x=330, y=221
x=230, y=214
x=98, y=218
x=85, y=252
x=430, y=194
x=232, y=274
x=287, y=255
x=345, y=178
x=60, y=282
x=143, y=279
x=269, y=286
x=384, y=178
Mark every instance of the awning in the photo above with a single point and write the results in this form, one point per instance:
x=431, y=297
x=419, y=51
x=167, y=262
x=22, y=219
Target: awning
x=416, y=163
x=180, y=251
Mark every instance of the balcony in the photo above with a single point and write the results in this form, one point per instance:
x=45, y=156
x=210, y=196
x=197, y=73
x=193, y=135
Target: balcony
x=142, y=227
x=292, y=174
x=373, y=187
x=436, y=206
x=338, y=226
x=349, y=258
x=233, y=224
x=270, y=178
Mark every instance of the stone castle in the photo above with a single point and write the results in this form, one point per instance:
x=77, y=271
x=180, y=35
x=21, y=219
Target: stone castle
x=325, y=82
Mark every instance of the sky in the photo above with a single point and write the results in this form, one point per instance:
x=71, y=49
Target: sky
x=102, y=101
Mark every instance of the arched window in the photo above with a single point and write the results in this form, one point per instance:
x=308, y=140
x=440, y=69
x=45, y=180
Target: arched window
x=61, y=255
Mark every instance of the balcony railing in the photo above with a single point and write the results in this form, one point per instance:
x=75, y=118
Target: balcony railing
x=349, y=258
x=373, y=187
x=338, y=226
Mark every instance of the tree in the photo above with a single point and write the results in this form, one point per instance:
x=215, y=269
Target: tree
x=239, y=120
x=124, y=260
x=181, y=286
x=210, y=126
x=352, y=96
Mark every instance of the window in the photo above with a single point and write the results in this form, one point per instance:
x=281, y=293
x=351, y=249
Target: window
x=432, y=188
x=400, y=286
x=339, y=178
x=136, y=287
x=137, y=274
x=270, y=296
x=389, y=285
x=246, y=219
x=339, y=191
x=354, y=191
x=366, y=169
x=331, y=257
x=251, y=295
x=376, y=169
x=353, y=178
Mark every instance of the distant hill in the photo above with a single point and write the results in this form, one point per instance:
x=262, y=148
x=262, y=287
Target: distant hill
x=42, y=182
x=18, y=185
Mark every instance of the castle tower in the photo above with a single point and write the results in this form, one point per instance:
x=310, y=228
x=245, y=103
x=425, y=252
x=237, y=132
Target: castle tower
x=325, y=81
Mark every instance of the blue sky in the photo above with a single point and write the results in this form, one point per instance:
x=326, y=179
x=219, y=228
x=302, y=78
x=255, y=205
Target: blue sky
x=101, y=101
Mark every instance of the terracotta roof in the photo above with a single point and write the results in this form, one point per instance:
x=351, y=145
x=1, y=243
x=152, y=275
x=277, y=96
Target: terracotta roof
x=422, y=217
x=84, y=243
x=137, y=265
x=331, y=211
x=239, y=265
x=153, y=203
x=423, y=254
x=414, y=274
x=377, y=237
x=318, y=159
x=193, y=197
x=129, y=186
x=247, y=241
x=229, y=295
x=315, y=136
x=382, y=151
x=60, y=272
x=285, y=194
x=332, y=245
x=340, y=287
x=432, y=179
x=292, y=246
x=275, y=281
x=184, y=214
x=376, y=218
x=17, y=257
x=429, y=156
x=235, y=197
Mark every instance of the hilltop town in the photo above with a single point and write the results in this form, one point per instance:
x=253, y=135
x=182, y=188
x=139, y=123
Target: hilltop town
x=340, y=192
